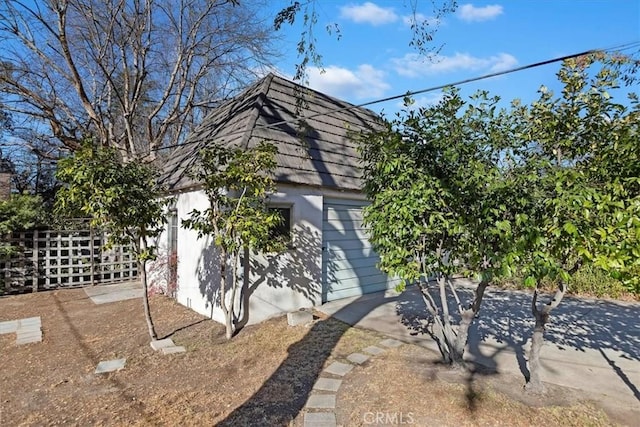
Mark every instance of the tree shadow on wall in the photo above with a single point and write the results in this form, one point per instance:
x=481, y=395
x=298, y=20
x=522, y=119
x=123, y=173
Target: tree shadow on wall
x=293, y=269
x=209, y=277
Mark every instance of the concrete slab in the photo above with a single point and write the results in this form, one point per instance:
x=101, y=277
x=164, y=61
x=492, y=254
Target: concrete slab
x=30, y=322
x=110, y=365
x=24, y=334
x=321, y=401
x=320, y=419
x=357, y=358
x=28, y=329
x=31, y=339
x=8, y=327
x=327, y=384
x=103, y=294
x=300, y=317
x=373, y=350
x=338, y=368
x=160, y=344
x=591, y=345
x=391, y=343
x=173, y=350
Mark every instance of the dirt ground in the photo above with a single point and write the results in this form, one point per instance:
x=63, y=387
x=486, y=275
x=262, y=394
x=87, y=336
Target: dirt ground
x=260, y=378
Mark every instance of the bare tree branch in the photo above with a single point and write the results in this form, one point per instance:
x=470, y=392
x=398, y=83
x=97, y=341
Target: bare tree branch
x=132, y=74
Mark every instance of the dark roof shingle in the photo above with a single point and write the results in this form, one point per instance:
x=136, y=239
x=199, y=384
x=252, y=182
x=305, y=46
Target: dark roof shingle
x=318, y=151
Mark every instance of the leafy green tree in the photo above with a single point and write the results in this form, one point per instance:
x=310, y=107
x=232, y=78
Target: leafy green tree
x=19, y=212
x=439, y=198
x=237, y=183
x=123, y=199
x=579, y=170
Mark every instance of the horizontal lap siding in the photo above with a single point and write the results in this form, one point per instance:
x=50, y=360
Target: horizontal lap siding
x=349, y=261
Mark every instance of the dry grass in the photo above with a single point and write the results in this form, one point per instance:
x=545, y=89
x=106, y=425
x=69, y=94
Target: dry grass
x=408, y=385
x=262, y=377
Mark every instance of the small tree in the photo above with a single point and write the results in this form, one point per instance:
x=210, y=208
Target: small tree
x=237, y=183
x=122, y=199
x=439, y=196
x=580, y=158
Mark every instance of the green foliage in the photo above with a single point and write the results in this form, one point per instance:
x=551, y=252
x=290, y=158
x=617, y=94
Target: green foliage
x=121, y=198
x=19, y=212
x=580, y=166
x=540, y=190
x=439, y=192
x=237, y=183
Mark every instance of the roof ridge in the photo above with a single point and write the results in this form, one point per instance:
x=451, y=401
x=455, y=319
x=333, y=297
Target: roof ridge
x=257, y=106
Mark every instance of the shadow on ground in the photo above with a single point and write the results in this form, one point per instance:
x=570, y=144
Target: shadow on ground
x=505, y=320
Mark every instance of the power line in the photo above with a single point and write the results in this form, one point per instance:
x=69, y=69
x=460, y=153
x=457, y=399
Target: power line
x=430, y=89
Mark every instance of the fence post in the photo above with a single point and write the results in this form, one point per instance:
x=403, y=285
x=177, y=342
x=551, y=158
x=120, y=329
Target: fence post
x=34, y=258
x=91, y=249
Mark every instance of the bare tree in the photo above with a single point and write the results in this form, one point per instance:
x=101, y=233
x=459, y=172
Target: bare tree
x=134, y=74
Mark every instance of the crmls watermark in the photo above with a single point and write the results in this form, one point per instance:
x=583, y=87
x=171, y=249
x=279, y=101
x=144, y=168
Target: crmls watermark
x=388, y=418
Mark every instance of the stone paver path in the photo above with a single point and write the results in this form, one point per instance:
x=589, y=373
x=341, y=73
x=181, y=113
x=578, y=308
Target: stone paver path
x=321, y=405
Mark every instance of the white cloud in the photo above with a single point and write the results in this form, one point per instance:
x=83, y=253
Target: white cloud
x=409, y=20
x=470, y=13
x=364, y=82
x=414, y=65
x=368, y=13
x=423, y=101
x=503, y=62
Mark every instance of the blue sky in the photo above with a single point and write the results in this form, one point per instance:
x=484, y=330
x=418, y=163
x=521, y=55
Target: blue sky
x=373, y=58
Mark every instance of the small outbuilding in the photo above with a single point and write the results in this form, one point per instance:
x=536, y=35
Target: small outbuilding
x=319, y=193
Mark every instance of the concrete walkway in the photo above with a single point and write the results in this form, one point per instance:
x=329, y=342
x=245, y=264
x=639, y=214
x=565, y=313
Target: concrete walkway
x=590, y=345
x=103, y=294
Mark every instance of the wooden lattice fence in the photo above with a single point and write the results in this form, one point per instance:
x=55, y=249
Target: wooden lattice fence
x=47, y=259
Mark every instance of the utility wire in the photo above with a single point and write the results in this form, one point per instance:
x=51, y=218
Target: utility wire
x=421, y=91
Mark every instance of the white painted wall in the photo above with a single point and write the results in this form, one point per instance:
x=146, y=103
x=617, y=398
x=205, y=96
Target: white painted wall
x=279, y=283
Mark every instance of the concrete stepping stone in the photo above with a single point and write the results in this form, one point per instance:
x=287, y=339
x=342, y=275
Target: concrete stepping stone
x=321, y=401
x=320, y=419
x=373, y=350
x=110, y=365
x=104, y=294
x=391, y=343
x=300, y=317
x=30, y=322
x=160, y=344
x=338, y=368
x=8, y=327
x=28, y=337
x=173, y=350
x=22, y=333
x=357, y=358
x=327, y=384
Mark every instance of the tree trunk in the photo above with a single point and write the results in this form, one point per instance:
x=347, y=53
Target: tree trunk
x=234, y=286
x=454, y=359
x=438, y=327
x=145, y=300
x=223, y=297
x=467, y=316
x=537, y=339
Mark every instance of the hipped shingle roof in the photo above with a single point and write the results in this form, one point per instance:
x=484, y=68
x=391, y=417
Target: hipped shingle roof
x=321, y=151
